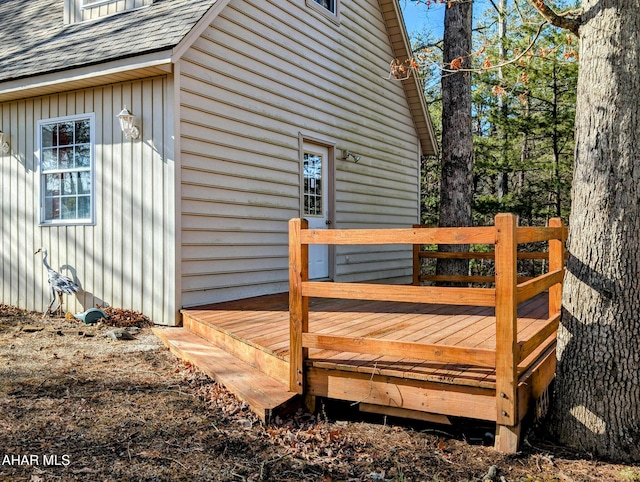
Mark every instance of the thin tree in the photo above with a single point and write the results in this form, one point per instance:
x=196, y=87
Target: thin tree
x=503, y=177
x=456, y=182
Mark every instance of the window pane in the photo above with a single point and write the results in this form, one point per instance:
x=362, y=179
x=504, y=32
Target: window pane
x=83, y=132
x=83, y=156
x=65, y=133
x=66, y=148
x=84, y=183
x=66, y=158
x=84, y=207
x=52, y=185
x=49, y=135
x=312, y=166
x=49, y=159
x=69, y=183
x=68, y=208
x=328, y=4
x=52, y=208
x=312, y=174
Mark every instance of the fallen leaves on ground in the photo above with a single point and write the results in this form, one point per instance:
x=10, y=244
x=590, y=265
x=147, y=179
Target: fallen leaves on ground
x=122, y=318
x=118, y=411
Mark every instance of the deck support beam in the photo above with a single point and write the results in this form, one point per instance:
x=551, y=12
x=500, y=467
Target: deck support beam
x=507, y=438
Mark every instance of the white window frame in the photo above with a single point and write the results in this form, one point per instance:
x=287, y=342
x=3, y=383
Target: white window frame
x=95, y=3
x=91, y=169
x=333, y=15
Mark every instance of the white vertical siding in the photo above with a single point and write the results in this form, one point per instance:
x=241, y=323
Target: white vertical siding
x=260, y=75
x=74, y=11
x=127, y=259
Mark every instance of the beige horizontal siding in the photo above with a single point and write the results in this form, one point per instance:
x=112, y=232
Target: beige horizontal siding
x=126, y=259
x=262, y=74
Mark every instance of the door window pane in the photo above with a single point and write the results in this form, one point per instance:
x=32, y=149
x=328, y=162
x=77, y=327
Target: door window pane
x=313, y=189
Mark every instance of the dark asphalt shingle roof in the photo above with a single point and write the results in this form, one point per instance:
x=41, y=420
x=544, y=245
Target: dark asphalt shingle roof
x=36, y=41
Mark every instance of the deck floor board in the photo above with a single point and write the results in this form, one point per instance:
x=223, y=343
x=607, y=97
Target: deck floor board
x=264, y=321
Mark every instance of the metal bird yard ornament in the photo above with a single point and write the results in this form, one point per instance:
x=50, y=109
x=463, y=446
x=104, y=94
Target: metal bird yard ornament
x=58, y=283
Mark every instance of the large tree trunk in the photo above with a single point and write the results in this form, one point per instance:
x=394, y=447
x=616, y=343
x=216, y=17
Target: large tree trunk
x=456, y=185
x=597, y=394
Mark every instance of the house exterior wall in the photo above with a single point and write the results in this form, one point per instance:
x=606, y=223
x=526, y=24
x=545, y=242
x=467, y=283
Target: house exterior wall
x=126, y=259
x=261, y=77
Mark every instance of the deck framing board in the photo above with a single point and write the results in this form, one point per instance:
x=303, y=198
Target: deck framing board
x=419, y=395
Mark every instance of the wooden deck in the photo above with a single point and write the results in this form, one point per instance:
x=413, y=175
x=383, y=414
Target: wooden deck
x=484, y=352
x=263, y=322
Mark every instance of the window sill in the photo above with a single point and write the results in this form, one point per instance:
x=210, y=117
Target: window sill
x=70, y=223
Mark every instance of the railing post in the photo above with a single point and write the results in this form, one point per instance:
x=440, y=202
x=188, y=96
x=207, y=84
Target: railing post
x=506, y=256
x=556, y=262
x=298, y=304
x=417, y=264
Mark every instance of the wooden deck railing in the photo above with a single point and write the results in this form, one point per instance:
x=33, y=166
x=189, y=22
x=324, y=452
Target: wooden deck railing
x=420, y=253
x=505, y=296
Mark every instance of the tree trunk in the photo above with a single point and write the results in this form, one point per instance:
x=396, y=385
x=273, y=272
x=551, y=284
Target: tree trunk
x=524, y=153
x=503, y=177
x=597, y=394
x=557, y=181
x=456, y=185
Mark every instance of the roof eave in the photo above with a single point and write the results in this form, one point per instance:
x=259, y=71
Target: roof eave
x=131, y=68
x=413, y=86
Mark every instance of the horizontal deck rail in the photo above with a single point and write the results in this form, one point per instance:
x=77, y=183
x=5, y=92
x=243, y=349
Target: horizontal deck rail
x=408, y=294
x=483, y=235
x=420, y=253
x=443, y=354
x=508, y=292
x=479, y=255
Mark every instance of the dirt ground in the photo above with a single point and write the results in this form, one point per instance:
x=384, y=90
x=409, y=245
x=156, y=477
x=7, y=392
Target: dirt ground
x=76, y=404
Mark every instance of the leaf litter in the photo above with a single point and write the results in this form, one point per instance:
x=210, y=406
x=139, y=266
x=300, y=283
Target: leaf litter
x=77, y=405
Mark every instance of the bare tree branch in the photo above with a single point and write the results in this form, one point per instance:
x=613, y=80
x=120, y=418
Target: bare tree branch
x=504, y=62
x=569, y=20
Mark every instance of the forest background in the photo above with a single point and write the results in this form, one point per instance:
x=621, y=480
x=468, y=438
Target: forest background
x=524, y=78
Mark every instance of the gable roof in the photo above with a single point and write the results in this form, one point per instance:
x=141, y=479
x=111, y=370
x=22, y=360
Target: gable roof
x=36, y=40
x=39, y=50
x=413, y=85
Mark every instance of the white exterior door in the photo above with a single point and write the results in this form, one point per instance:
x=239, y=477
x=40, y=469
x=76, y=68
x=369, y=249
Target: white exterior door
x=316, y=203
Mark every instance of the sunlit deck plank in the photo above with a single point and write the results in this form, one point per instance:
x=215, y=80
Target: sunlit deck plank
x=264, y=321
x=385, y=328
x=414, y=321
x=535, y=315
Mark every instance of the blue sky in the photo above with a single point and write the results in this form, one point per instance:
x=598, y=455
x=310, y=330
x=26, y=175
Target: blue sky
x=418, y=17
